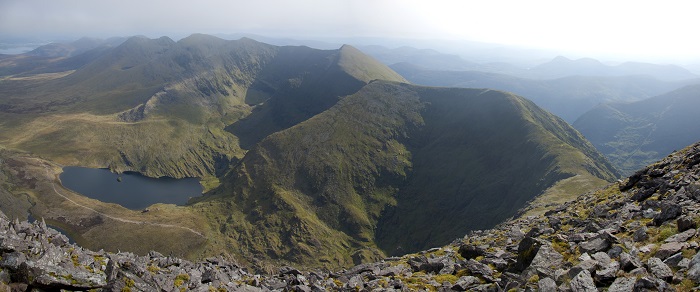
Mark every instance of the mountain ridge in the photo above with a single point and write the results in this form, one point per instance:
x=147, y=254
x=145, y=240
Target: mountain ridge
x=199, y=81
x=308, y=156
x=365, y=165
x=601, y=240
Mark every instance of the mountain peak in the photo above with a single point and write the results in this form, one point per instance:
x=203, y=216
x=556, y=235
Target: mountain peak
x=364, y=67
x=561, y=59
x=139, y=40
x=201, y=38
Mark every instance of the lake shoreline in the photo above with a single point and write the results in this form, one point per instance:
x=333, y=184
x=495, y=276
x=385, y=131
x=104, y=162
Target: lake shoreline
x=129, y=189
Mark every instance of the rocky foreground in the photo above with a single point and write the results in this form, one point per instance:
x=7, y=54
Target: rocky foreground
x=639, y=234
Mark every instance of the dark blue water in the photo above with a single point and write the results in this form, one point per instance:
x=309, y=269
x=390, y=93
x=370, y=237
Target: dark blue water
x=135, y=191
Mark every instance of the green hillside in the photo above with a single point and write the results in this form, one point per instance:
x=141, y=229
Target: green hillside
x=313, y=157
x=303, y=83
x=636, y=134
x=160, y=107
x=388, y=169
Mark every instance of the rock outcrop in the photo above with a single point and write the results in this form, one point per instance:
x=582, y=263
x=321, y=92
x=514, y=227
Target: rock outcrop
x=639, y=234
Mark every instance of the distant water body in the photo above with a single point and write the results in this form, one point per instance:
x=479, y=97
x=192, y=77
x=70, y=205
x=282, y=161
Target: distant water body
x=131, y=190
x=16, y=48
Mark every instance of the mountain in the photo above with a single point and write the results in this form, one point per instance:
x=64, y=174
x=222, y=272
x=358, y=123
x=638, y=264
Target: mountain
x=313, y=157
x=347, y=182
x=636, y=234
x=56, y=57
x=425, y=58
x=74, y=48
x=635, y=134
x=307, y=95
x=567, y=97
x=160, y=107
x=562, y=67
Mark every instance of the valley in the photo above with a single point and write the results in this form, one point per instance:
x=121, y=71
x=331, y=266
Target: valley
x=309, y=157
x=31, y=186
x=638, y=133
x=349, y=146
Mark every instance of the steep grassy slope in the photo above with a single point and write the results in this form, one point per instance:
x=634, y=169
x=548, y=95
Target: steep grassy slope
x=313, y=81
x=633, y=135
x=389, y=166
x=479, y=158
x=567, y=97
x=159, y=107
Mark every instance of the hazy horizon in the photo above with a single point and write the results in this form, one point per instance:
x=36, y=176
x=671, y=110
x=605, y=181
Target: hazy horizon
x=619, y=30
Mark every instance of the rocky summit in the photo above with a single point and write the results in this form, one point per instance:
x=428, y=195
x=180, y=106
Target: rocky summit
x=639, y=234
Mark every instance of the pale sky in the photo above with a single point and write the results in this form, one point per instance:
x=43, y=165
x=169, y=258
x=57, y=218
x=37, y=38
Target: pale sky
x=645, y=28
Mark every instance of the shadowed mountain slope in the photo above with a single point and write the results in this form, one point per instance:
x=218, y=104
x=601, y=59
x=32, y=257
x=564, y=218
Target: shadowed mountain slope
x=635, y=134
x=390, y=165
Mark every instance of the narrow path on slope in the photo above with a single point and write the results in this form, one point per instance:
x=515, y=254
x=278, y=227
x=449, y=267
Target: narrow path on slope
x=53, y=184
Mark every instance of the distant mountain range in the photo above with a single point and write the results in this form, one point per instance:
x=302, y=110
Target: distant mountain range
x=56, y=57
x=562, y=67
x=317, y=157
x=559, y=67
x=635, y=134
x=567, y=97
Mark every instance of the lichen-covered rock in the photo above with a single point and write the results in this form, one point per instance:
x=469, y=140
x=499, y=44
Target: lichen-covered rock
x=622, y=284
x=694, y=269
x=640, y=234
x=546, y=261
x=668, y=211
x=682, y=237
x=583, y=282
x=607, y=273
x=464, y=282
x=668, y=249
x=659, y=269
x=468, y=251
x=594, y=245
x=527, y=250
x=684, y=223
x=479, y=269
x=547, y=285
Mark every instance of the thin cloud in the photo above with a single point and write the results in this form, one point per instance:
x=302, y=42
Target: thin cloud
x=619, y=27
